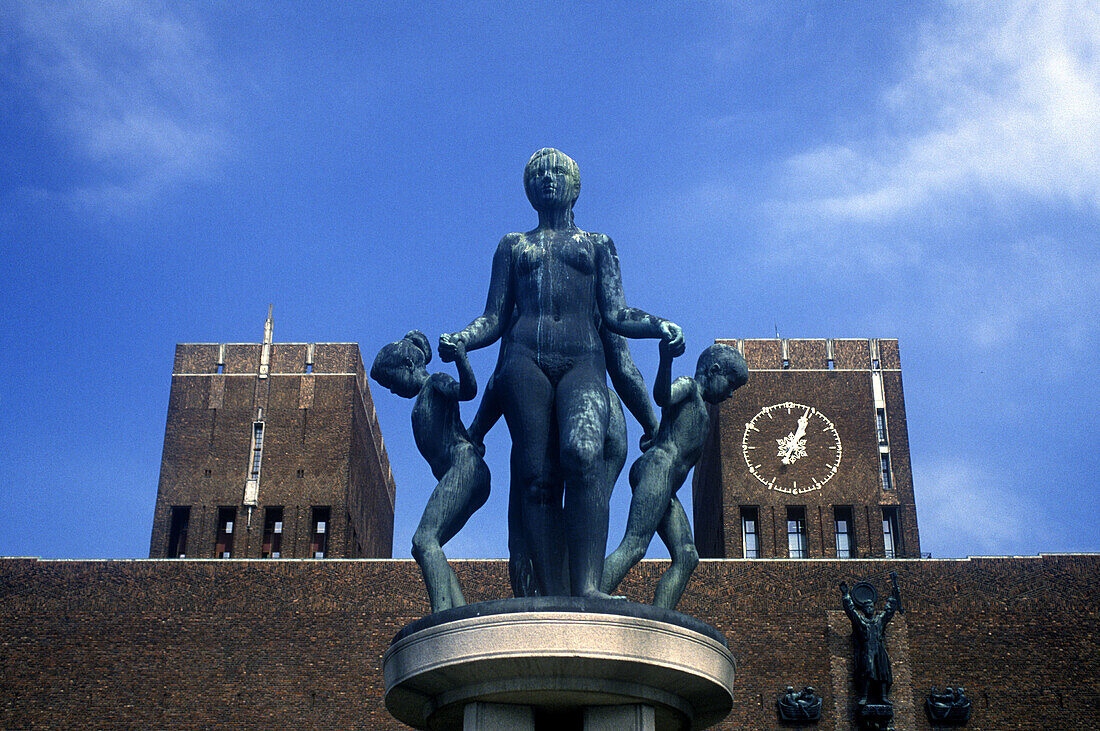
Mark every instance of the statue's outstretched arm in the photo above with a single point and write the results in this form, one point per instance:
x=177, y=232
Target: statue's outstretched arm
x=488, y=328
x=630, y=322
x=628, y=381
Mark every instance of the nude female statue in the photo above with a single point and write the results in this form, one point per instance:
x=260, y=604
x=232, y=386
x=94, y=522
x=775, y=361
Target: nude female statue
x=549, y=290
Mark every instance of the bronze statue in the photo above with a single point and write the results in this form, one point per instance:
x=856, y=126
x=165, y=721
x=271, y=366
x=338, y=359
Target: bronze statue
x=872, y=670
x=440, y=436
x=550, y=291
x=799, y=706
x=664, y=466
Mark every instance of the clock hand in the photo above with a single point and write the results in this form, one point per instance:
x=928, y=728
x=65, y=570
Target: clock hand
x=796, y=436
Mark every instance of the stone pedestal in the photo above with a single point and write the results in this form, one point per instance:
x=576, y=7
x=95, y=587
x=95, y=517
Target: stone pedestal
x=561, y=662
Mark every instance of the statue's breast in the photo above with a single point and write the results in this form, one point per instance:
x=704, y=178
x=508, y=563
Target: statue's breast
x=578, y=253
x=528, y=256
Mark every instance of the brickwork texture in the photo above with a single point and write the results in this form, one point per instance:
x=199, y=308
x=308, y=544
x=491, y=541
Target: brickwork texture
x=255, y=644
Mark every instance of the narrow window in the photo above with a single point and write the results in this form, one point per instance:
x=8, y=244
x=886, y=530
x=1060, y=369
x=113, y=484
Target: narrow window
x=309, y=368
x=257, y=449
x=221, y=367
x=831, y=363
x=748, y=533
x=891, y=538
x=177, y=533
x=874, y=363
x=206, y=473
x=880, y=426
x=273, y=533
x=301, y=473
x=223, y=548
x=884, y=460
x=796, y=532
x=320, y=532
x=845, y=539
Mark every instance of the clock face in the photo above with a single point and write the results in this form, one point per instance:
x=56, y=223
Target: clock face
x=791, y=448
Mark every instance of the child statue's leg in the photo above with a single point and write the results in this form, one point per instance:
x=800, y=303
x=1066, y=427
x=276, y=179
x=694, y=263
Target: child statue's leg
x=675, y=531
x=462, y=490
x=652, y=491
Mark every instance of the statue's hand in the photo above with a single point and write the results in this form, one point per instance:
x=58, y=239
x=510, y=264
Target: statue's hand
x=844, y=588
x=448, y=346
x=672, y=334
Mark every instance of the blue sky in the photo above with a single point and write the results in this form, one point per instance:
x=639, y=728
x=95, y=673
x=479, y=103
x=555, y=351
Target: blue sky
x=929, y=172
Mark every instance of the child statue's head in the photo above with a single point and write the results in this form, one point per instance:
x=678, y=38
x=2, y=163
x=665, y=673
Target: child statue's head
x=400, y=365
x=721, y=371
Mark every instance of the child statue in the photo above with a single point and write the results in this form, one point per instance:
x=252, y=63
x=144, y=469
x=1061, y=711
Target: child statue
x=442, y=440
x=661, y=470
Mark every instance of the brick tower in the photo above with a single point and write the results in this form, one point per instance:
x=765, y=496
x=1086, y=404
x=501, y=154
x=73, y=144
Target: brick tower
x=272, y=450
x=811, y=457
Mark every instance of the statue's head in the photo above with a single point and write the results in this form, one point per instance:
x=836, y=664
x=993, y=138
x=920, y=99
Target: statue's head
x=400, y=365
x=551, y=180
x=720, y=371
x=867, y=607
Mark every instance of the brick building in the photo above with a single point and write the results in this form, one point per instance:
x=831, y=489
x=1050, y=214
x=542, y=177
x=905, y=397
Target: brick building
x=272, y=450
x=811, y=457
x=298, y=642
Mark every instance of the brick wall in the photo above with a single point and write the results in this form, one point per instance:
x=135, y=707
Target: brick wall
x=298, y=644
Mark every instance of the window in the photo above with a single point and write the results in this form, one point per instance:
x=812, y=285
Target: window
x=301, y=473
x=880, y=426
x=831, y=363
x=309, y=368
x=177, y=532
x=223, y=547
x=749, y=532
x=221, y=367
x=273, y=533
x=891, y=538
x=884, y=459
x=796, y=532
x=319, y=543
x=257, y=449
x=206, y=473
x=845, y=536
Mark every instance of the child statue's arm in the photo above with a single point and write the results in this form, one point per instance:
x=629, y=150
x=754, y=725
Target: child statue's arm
x=662, y=384
x=467, y=384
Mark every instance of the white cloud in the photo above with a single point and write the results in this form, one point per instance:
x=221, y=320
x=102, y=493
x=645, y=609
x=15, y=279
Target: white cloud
x=126, y=86
x=998, y=98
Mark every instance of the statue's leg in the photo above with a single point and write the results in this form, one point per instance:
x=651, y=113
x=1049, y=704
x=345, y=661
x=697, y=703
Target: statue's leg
x=649, y=479
x=463, y=489
x=614, y=444
x=527, y=399
x=582, y=426
x=675, y=531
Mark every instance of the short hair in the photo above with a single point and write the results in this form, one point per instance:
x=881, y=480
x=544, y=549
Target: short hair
x=414, y=345
x=557, y=156
x=729, y=360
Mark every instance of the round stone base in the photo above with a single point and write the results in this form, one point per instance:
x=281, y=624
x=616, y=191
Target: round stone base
x=559, y=654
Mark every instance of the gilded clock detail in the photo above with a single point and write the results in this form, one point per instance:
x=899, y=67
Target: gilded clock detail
x=791, y=448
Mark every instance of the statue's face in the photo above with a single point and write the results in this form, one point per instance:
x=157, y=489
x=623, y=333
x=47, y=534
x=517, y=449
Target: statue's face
x=867, y=607
x=550, y=181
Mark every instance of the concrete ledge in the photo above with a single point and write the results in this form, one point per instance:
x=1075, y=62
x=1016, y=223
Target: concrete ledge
x=557, y=660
